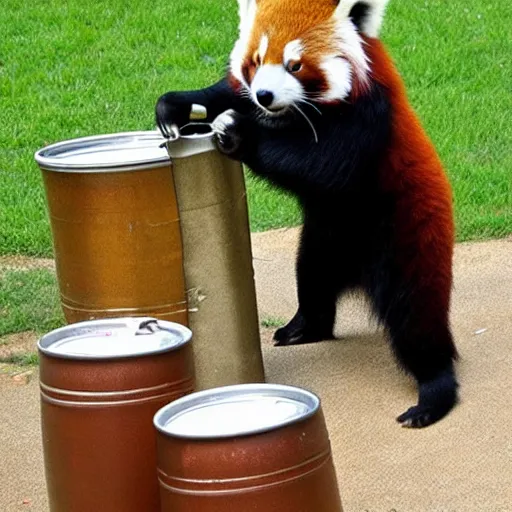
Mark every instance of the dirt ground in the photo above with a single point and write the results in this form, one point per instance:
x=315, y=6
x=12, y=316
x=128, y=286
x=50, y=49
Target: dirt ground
x=18, y=343
x=22, y=343
x=25, y=263
x=461, y=464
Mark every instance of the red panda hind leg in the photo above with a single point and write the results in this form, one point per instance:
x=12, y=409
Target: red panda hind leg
x=414, y=308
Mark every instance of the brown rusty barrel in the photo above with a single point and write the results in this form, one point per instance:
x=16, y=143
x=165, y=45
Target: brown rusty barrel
x=258, y=447
x=115, y=226
x=101, y=384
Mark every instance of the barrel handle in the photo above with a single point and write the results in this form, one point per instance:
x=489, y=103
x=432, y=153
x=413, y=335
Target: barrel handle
x=150, y=326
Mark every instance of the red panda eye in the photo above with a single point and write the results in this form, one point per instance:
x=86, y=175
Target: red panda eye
x=294, y=67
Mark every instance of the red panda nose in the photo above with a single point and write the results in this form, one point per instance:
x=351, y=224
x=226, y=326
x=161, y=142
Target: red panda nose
x=265, y=98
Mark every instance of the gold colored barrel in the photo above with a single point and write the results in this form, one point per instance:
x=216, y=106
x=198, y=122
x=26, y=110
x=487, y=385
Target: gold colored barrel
x=115, y=226
x=219, y=275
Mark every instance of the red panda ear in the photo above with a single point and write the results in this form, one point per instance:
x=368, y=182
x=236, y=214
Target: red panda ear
x=246, y=11
x=358, y=14
x=367, y=15
x=342, y=10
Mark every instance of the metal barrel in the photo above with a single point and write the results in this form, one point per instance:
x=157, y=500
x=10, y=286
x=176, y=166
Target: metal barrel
x=217, y=259
x=101, y=384
x=249, y=447
x=115, y=226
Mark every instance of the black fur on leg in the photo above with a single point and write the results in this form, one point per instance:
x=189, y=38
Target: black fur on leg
x=416, y=316
x=437, y=397
x=324, y=271
x=299, y=332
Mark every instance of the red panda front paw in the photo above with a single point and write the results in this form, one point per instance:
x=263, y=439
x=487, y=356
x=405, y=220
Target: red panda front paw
x=226, y=132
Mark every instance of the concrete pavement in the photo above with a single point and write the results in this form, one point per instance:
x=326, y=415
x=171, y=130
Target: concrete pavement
x=461, y=464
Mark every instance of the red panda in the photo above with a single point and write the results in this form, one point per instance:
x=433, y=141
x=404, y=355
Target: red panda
x=313, y=103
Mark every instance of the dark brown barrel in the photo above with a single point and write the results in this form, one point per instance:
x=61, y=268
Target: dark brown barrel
x=101, y=384
x=115, y=225
x=261, y=448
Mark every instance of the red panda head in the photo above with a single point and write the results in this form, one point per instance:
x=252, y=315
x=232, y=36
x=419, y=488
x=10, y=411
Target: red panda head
x=293, y=51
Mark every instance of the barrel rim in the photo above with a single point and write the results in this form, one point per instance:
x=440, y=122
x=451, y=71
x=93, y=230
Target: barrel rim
x=190, y=142
x=187, y=145
x=61, y=333
x=220, y=394
x=47, y=162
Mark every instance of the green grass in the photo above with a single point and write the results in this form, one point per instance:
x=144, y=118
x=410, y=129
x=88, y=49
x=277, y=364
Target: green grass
x=272, y=322
x=455, y=59
x=26, y=359
x=75, y=68
x=29, y=301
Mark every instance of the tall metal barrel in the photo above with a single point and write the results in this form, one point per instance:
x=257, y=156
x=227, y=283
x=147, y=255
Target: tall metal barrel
x=217, y=259
x=263, y=448
x=115, y=225
x=101, y=384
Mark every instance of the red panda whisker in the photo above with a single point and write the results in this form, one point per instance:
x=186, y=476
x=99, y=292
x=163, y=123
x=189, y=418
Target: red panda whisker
x=245, y=93
x=311, y=105
x=311, y=97
x=294, y=105
x=317, y=97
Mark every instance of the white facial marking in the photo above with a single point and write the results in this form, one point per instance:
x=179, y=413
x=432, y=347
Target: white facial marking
x=293, y=51
x=236, y=58
x=247, y=16
x=351, y=45
x=339, y=77
x=262, y=50
x=340, y=71
x=273, y=78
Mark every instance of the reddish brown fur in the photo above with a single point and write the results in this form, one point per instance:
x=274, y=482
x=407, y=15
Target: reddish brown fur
x=286, y=20
x=425, y=211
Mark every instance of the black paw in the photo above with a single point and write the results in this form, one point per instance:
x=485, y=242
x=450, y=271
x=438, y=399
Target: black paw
x=417, y=417
x=171, y=114
x=226, y=132
x=299, y=332
x=437, y=398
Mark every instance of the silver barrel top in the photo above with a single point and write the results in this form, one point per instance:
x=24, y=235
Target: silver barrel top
x=114, y=338
x=125, y=151
x=105, y=153
x=238, y=410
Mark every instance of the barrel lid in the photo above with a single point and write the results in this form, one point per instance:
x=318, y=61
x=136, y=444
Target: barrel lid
x=102, y=153
x=114, y=338
x=234, y=411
